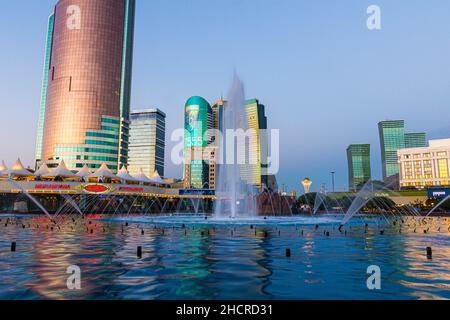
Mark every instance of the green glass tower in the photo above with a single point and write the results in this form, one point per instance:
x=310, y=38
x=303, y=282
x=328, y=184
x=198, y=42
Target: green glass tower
x=392, y=138
x=198, y=119
x=359, y=169
x=48, y=50
x=415, y=140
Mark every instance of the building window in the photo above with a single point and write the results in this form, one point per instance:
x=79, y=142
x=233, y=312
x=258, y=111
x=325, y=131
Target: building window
x=443, y=168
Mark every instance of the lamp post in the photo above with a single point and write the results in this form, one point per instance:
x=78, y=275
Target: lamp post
x=332, y=180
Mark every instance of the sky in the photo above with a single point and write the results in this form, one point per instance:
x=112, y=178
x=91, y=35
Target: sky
x=325, y=79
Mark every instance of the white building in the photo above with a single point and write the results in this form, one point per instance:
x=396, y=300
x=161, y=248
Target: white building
x=147, y=142
x=425, y=167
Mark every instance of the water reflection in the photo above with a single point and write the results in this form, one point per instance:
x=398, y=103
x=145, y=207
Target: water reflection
x=219, y=261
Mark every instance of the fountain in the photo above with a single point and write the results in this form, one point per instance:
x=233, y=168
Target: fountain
x=438, y=205
x=37, y=203
x=236, y=198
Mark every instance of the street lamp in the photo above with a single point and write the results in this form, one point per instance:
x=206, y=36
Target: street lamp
x=332, y=180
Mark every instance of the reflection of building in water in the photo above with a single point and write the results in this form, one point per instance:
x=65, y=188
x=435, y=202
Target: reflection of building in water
x=56, y=250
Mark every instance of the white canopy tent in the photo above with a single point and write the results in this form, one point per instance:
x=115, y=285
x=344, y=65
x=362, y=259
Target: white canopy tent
x=61, y=172
x=84, y=172
x=3, y=169
x=125, y=176
x=157, y=179
x=141, y=177
x=43, y=170
x=18, y=170
x=103, y=173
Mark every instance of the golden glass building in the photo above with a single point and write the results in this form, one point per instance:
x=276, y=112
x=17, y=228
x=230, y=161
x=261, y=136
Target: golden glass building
x=255, y=169
x=87, y=81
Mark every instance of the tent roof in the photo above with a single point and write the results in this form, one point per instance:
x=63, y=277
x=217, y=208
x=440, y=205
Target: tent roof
x=141, y=177
x=125, y=175
x=103, y=172
x=19, y=170
x=43, y=170
x=157, y=178
x=3, y=168
x=84, y=172
x=61, y=171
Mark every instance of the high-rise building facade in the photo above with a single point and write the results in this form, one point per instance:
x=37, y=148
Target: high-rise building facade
x=147, y=142
x=87, y=84
x=48, y=51
x=359, y=169
x=254, y=171
x=415, y=140
x=392, y=138
x=425, y=166
x=197, y=138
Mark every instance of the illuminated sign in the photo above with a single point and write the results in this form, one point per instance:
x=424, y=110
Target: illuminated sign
x=96, y=188
x=438, y=193
x=131, y=189
x=52, y=186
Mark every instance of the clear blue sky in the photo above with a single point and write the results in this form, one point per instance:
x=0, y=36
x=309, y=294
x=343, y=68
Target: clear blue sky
x=325, y=79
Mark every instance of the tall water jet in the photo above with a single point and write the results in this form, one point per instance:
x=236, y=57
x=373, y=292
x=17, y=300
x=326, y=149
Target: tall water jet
x=366, y=194
x=235, y=197
x=36, y=202
x=319, y=200
x=438, y=205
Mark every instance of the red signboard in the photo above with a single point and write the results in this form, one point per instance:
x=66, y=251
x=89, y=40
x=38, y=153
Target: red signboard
x=52, y=186
x=131, y=189
x=96, y=188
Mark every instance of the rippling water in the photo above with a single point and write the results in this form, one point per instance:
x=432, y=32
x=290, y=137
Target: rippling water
x=215, y=259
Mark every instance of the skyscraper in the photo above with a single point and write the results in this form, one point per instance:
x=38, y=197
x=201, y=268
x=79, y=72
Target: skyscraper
x=359, y=169
x=198, y=120
x=147, y=142
x=87, y=83
x=254, y=171
x=415, y=140
x=48, y=51
x=392, y=138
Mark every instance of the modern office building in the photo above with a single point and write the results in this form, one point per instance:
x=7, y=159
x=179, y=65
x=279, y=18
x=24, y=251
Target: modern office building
x=48, y=51
x=84, y=116
x=197, y=139
x=254, y=171
x=415, y=140
x=426, y=166
x=359, y=169
x=392, y=138
x=147, y=142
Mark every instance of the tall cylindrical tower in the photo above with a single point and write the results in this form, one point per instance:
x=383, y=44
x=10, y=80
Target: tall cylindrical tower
x=86, y=116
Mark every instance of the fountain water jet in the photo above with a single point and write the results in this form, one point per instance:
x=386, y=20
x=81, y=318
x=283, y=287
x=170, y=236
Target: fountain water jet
x=235, y=197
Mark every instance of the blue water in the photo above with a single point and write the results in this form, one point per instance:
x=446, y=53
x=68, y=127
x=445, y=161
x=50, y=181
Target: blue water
x=217, y=259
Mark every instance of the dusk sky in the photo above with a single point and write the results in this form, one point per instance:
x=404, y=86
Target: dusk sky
x=325, y=79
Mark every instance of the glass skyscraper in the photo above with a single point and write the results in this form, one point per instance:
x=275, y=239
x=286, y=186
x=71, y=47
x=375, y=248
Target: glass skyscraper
x=254, y=171
x=392, y=138
x=147, y=142
x=48, y=50
x=84, y=117
x=197, y=138
x=415, y=140
x=359, y=169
